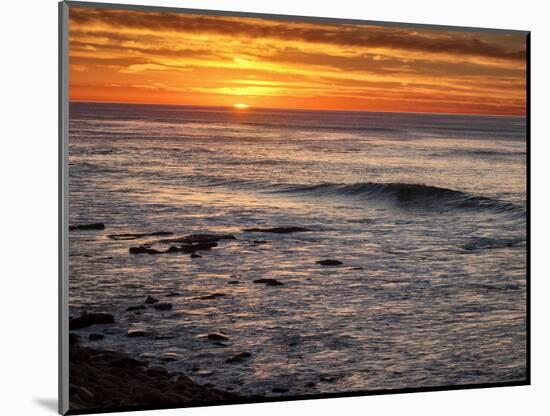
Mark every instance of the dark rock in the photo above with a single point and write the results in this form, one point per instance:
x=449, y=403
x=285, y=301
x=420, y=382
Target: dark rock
x=162, y=337
x=90, y=319
x=169, y=356
x=276, y=230
x=135, y=308
x=92, y=226
x=206, y=245
x=269, y=282
x=195, y=256
x=212, y=296
x=156, y=371
x=329, y=262
x=150, y=300
x=137, y=235
x=217, y=336
x=310, y=384
x=197, y=238
x=357, y=268
x=201, y=238
x=279, y=390
x=126, y=362
x=239, y=358
x=186, y=249
x=73, y=338
x=163, y=306
x=144, y=250
x=233, y=282
x=259, y=242
x=133, y=333
x=96, y=337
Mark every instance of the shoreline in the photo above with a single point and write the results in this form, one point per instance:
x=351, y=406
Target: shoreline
x=101, y=379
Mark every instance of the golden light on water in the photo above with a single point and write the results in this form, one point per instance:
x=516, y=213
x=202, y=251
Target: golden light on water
x=240, y=106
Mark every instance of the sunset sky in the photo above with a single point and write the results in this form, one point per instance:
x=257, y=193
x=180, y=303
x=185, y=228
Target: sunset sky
x=193, y=59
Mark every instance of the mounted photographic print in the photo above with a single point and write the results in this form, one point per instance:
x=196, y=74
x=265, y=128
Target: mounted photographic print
x=262, y=208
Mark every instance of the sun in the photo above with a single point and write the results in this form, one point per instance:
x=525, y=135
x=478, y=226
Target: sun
x=240, y=106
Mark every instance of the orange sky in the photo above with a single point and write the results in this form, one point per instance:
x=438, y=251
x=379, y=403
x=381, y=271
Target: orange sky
x=190, y=59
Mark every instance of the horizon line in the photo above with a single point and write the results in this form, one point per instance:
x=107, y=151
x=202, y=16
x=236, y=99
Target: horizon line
x=251, y=108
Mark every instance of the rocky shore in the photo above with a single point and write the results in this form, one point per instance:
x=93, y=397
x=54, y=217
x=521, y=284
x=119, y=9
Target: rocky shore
x=101, y=379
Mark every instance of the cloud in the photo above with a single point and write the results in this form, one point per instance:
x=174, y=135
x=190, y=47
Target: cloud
x=419, y=40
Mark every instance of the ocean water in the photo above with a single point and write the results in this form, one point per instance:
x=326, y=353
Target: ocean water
x=427, y=213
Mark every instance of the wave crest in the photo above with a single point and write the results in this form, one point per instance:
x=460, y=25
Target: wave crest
x=406, y=194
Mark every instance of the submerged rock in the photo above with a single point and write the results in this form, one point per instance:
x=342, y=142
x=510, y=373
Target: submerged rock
x=197, y=238
x=133, y=333
x=73, y=338
x=150, y=300
x=90, y=319
x=329, y=262
x=269, y=282
x=91, y=226
x=239, y=358
x=276, y=230
x=144, y=250
x=135, y=236
x=163, y=306
x=217, y=336
x=212, y=296
x=203, y=238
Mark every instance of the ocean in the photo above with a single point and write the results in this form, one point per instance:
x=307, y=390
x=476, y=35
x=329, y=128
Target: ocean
x=426, y=212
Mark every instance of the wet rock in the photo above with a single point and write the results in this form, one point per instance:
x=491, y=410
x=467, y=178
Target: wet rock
x=195, y=256
x=329, y=262
x=212, y=296
x=217, y=336
x=144, y=250
x=73, y=338
x=156, y=371
x=150, y=300
x=162, y=337
x=91, y=226
x=186, y=249
x=197, y=238
x=96, y=337
x=276, y=230
x=239, y=358
x=201, y=238
x=269, y=282
x=169, y=356
x=137, y=235
x=163, y=306
x=279, y=390
x=126, y=362
x=134, y=333
x=90, y=319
